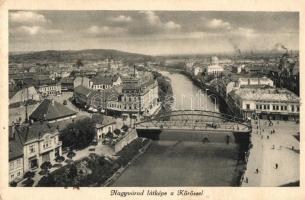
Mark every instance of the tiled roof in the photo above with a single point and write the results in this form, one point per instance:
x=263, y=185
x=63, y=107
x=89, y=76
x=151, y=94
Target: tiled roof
x=15, y=145
x=66, y=80
x=35, y=131
x=102, y=120
x=107, y=80
x=82, y=90
x=51, y=110
x=266, y=94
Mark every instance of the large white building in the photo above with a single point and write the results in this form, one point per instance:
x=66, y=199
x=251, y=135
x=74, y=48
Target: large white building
x=214, y=69
x=245, y=82
x=30, y=146
x=273, y=103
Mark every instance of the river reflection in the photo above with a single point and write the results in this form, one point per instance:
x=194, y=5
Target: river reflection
x=189, y=96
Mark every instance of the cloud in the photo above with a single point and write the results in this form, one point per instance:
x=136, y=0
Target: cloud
x=214, y=24
x=27, y=17
x=247, y=32
x=33, y=30
x=156, y=24
x=105, y=31
x=171, y=25
x=121, y=18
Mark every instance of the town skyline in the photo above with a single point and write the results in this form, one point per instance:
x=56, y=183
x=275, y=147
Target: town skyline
x=153, y=32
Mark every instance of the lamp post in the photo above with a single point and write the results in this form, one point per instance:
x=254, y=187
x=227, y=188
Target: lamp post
x=206, y=103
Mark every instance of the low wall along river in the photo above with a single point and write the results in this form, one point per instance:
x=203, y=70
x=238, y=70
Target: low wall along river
x=186, y=158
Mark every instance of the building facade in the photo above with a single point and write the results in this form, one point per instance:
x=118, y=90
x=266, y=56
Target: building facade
x=268, y=103
x=49, y=89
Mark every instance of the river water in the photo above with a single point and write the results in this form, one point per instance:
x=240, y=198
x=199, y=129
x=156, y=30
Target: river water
x=184, y=162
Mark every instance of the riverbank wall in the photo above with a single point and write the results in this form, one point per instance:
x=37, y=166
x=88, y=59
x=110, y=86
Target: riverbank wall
x=129, y=137
x=120, y=171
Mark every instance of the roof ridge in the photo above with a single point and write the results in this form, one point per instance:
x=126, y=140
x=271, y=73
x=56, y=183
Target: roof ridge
x=48, y=107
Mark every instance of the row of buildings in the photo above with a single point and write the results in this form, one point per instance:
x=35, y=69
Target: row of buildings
x=118, y=95
x=257, y=96
x=32, y=144
x=265, y=86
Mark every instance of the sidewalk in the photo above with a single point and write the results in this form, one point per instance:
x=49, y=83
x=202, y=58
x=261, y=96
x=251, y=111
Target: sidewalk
x=264, y=158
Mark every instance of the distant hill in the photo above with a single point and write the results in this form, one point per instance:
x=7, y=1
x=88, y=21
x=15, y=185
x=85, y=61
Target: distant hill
x=72, y=56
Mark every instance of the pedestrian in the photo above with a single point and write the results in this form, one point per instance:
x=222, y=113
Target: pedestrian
x=273, y=147
x=276, y=165
x=292, y=148
x=257, y=170
x=268, y=137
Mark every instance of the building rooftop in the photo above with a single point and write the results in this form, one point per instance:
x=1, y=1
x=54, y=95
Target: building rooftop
x=35, y=131
x=51, y=110
x=82, y=90
x=15, y=144
x=107, y=80
x=265, y=94
x=102, y=120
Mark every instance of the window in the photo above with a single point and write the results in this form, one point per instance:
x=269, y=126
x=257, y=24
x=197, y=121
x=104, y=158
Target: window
x=282, y=107
x=47, y=143
x=18, y=163
x=257, y=106
x=268, y=107
x=265, y=107
x=248, y=106
x=32, y=149
x=11, y=165
x=292, y=108
x=298, y=108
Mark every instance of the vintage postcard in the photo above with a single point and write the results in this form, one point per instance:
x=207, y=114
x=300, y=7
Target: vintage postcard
x=178, y=100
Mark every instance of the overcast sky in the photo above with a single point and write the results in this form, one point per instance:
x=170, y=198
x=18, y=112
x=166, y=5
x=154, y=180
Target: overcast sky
x=152, y=32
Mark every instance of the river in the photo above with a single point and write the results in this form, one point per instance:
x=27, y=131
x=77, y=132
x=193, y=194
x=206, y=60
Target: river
x=173, y=162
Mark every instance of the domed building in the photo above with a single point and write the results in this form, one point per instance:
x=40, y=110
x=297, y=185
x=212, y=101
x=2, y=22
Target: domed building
x=214, y=60
x=214, y=69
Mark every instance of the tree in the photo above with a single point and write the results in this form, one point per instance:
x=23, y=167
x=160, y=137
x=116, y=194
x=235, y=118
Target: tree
x=71, y=154
x=125, y=128
x=117, y=131
x=72, y=171
x=45, y=166
x=13, y=184
x=47, y=181
x=79, y=134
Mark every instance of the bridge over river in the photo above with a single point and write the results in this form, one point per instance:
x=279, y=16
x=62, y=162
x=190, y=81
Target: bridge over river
x=196, y=120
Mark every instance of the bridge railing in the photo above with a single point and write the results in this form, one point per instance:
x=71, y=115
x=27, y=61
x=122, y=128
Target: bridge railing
x=196, y=124
x=190, y=114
